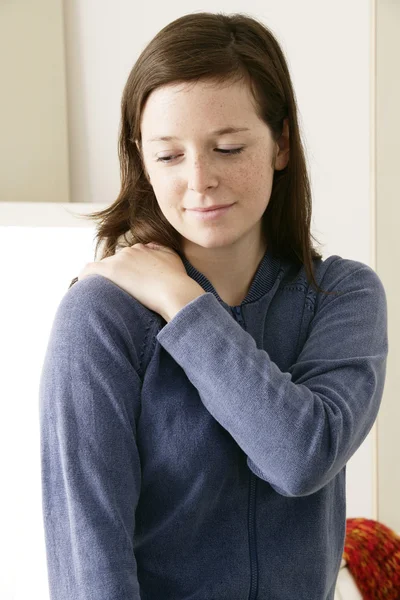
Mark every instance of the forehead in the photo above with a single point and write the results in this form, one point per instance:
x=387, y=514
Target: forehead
x=175, y=107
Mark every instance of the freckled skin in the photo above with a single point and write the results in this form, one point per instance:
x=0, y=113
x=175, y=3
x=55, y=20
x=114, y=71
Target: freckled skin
x=226, y=250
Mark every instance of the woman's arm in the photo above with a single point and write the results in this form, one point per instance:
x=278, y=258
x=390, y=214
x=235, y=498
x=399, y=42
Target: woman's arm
x=298, y=428
x=90, y=466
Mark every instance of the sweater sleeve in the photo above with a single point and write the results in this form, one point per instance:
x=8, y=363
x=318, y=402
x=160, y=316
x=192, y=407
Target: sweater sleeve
x=298, y=428
x=90, y=467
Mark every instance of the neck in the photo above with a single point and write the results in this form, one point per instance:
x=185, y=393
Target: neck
x=230, y=271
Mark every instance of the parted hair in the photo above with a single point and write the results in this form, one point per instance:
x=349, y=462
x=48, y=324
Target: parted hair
x=221, y=48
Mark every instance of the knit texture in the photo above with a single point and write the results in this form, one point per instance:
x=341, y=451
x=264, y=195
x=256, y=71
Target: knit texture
x=372, y=553
x=205, y=458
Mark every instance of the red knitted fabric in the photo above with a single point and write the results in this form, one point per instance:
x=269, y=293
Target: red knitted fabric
x=372, y=553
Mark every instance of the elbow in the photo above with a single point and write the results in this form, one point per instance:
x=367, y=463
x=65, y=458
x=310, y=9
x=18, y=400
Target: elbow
x=298, y=488
x=294, y=485
x=291, y=487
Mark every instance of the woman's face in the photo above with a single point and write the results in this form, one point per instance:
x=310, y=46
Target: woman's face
x=198, y=168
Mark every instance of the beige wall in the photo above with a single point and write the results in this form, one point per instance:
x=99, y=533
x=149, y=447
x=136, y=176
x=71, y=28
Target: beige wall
x=33, y=113
x=387, y=250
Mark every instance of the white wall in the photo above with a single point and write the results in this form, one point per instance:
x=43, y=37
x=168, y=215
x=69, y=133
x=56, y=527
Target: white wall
x=39, y=254
x=330, y=59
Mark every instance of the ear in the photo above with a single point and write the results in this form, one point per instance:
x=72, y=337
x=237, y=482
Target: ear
x=283, y=147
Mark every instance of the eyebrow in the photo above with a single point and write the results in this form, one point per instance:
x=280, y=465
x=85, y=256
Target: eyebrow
x=222, y=131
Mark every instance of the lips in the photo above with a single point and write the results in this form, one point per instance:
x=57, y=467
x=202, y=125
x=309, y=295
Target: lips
x=212, y=213
x=208, y=208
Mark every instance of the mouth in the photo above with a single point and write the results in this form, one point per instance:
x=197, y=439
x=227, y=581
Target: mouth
x=207, y=208
x=205, y=215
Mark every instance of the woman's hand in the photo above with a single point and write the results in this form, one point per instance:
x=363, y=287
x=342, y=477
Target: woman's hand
x=151, y=273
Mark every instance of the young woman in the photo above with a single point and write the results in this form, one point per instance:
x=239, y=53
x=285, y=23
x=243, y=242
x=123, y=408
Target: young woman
x=201, y=393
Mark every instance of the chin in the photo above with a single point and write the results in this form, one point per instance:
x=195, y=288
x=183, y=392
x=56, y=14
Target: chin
x=211, y=241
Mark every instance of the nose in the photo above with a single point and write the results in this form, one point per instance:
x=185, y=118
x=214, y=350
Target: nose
x=201, y=174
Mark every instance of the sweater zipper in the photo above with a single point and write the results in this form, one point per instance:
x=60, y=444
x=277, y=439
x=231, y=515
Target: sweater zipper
x=237, y=313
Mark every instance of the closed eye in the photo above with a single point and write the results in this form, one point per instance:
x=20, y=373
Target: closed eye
x=166, y=159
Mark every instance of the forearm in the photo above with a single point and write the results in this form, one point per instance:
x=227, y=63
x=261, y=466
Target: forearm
x=180, y=297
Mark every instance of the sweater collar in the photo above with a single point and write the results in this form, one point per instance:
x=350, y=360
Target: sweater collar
x=269, y=268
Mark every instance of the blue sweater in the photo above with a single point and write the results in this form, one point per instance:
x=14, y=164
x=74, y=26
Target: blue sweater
x=205, y=458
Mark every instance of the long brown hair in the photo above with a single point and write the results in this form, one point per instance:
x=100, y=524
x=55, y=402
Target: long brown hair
x=222, y=48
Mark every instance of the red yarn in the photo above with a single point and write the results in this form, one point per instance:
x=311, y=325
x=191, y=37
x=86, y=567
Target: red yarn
x=372, y=553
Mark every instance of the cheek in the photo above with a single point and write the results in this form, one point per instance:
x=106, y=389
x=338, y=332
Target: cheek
x=166, y=184
x=166, y=190
x=254, y=181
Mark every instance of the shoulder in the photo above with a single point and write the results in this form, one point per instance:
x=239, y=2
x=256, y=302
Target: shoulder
x=330, y=272
x=100, y=311
x=343, y=274
x=102, y=295
x=356, y=290
x=338, y=276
